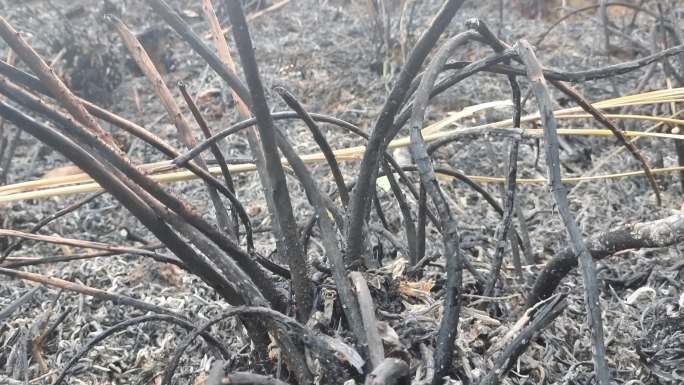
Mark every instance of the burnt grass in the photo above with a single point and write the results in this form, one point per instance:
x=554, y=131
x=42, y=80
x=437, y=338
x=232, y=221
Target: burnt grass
x=324, y=52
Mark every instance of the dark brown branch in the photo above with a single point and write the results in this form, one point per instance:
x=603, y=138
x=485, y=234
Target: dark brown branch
x=164, y=94
x=65, y=97
x=622, y=139
x=589, y=278
x=43, y=222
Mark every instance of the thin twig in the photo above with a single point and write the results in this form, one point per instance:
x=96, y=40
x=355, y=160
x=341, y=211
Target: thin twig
x=589, y=278
x=534, y=320
x=221, y=160
x=601, y=118
x=117, y=299
x=52, y=82
x=293, y=103
x=360, y=201
x=169, y=318
x=75, y=206
x=164, y=94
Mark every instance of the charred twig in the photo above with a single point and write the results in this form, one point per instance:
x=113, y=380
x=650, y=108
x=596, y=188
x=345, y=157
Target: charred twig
x=293, y=103
x=14, y=245
x=22, y=97
x=182, y=28
x=34, y=84
x=117, y=299
x=350, y=304
x=11, y=58
x=490, y=64
x=391, y=371
x=279, y=193
x=22, y=262
x=409, y=225
x=499, y=47
x=75, y=242
x=237, y=127
x=172, y=319
x=601, y=118
x=524, y=234
x=422, y=224
x=376, y=352
x=192, y=224
x=591, y=289
x=533, y=321
x=52, y=82
x=360, y=201
x=244, y=113
x=467, y=71
x=221, y=160
x=575, y=76
x=122, y=192
x=472, y=184
x=202, y=146
x=11, y=308
x=277, y=323
x=164, y=94
x=660, y=233
x=505, y=226
x=454, y=260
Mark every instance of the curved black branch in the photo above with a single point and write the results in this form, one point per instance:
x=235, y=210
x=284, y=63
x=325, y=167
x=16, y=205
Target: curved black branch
x=277, y=323
x=660, y=233
x=369, y=165
x=454, y=260
x=211, y=340
x=237, y=208
x=293, y=103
